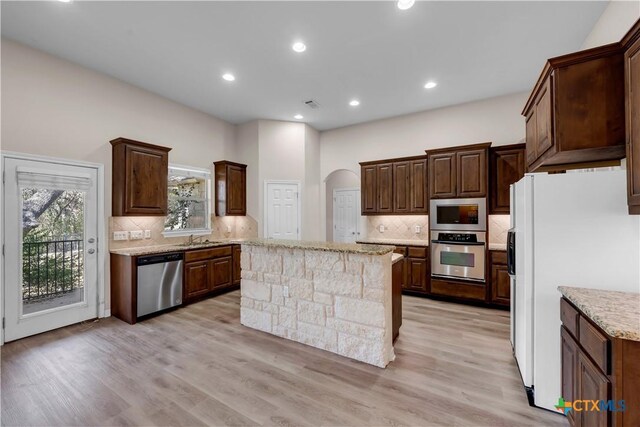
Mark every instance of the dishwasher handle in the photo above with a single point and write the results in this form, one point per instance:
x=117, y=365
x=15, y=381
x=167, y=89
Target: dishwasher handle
x=157, y=259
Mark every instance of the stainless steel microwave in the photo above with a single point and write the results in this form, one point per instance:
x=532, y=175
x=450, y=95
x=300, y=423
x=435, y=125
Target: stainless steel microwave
x=458, y=214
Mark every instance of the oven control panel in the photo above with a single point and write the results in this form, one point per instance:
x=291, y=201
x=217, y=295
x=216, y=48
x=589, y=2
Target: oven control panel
x=458, y=237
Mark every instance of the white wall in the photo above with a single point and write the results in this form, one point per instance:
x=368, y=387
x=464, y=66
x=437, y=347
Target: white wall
x=614, y=23
x=311, y=221
x=55, y=108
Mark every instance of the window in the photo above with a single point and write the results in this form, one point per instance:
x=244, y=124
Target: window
x=189, y=201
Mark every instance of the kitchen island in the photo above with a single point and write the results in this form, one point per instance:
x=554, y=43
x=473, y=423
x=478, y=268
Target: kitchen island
x=333, y=296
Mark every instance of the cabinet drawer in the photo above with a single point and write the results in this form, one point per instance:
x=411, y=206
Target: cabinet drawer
x=498, y=257
x=401, y=250
x=569, y=317
x=459, y=290
x=202, y=254
x=595, y=344
x=415, y=252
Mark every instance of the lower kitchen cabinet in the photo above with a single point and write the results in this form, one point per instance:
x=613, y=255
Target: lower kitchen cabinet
x=237, y=254
x=598, y=367
x=415, y=268
x=207, y=271
x=500, y=290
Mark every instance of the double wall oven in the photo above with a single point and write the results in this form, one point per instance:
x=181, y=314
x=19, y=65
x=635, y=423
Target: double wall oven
x=458, y=238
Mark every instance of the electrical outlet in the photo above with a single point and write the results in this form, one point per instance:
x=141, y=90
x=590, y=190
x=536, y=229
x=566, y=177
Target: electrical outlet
x=417, y=229
x=228, y=229
x=120, y=235
x=381, y=228
x=136, y=235
x=285, y=292
x=147, y=234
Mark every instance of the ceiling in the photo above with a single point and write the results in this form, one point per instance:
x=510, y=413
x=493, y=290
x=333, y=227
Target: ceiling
x=370, y=51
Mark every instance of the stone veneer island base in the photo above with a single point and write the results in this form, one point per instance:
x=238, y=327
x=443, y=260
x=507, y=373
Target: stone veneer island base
x=336, y=297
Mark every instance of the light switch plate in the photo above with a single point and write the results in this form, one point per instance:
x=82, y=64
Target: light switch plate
x=381, y=228
x=147, y=234
x=417, y=229
x=135, y=235
x=120, y=235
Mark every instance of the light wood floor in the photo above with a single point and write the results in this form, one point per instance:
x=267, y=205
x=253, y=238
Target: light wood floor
x=198, y=365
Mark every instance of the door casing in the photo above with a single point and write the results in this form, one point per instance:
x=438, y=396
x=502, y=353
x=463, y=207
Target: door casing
x=100, y=244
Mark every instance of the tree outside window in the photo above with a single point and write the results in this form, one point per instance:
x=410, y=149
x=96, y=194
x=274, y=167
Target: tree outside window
x=189, y=201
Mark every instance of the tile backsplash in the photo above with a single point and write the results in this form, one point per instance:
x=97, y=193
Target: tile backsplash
x=398, y=227
x=498, y=228
x=221, y=227
x=402, y=227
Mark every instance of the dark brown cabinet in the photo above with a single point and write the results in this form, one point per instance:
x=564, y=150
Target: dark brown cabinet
x=396, y=186
x=596, y=366
x=401, y=187
x=231, y=188
x=632, y=97
x=575, y=113
x=500, y=281
x=139, y=178
x=207, y=271
x=506, y=167
x=237, y=256
x=458, y=172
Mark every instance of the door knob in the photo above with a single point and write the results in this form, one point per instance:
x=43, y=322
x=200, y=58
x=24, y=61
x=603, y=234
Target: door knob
x=91, y=251
x=91, y=240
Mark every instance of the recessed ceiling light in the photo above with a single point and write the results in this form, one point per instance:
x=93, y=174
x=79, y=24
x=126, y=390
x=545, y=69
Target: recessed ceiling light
x=229, y=77
x=299, y=47
x=298, y=117
x=405, y=4
x=65, y=1
x=354, y=102
x=430, y=85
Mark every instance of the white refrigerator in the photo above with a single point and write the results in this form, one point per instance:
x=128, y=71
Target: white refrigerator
x=569, y=229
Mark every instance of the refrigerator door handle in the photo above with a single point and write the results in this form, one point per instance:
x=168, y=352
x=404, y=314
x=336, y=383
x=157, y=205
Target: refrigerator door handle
x=511, y=253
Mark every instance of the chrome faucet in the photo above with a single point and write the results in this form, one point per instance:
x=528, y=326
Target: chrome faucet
x=194, y=239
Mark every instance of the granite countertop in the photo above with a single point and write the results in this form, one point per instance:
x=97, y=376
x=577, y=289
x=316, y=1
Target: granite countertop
x=497, y=246
x=617, y=313
x=353, y=248
x=161, y=249
x=399, y=242
x=396, y=257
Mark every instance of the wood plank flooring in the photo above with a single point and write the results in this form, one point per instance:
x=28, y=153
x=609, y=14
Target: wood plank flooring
x=198, y=366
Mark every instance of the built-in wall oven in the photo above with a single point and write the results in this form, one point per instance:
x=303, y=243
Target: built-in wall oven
x=458, y=255
x=458, y=214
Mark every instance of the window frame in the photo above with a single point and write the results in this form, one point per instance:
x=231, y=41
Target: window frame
x=209, y=180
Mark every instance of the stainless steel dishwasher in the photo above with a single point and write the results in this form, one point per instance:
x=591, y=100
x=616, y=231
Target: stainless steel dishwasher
x=159, y=282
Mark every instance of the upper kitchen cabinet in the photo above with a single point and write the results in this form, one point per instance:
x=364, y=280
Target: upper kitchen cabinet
x=631, y=43
x=458, y=172
x=575, y=113
x=139, y=178
x=394, y=186
x=231, y=188
x=506, y=166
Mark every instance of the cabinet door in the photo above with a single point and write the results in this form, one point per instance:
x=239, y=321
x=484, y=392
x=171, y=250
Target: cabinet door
x=500, y=284
x=146, y=173
x=417, y=271
x=220, y=271
x=442, y=175
x=591, y=385
x=471, y=169
x=418, y=187
x=369, y=190
x=632, y=88
x=569, y=361
x=236, y=190
x=237, y=252
x=385, y=187
x=401, y=187
x=544, y=118
x=531, y=137
x=196, y=279
x=505, y=168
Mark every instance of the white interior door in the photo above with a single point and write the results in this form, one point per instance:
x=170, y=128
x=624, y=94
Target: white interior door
x=51, y=232
x=282, y=211
x=346, y=215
